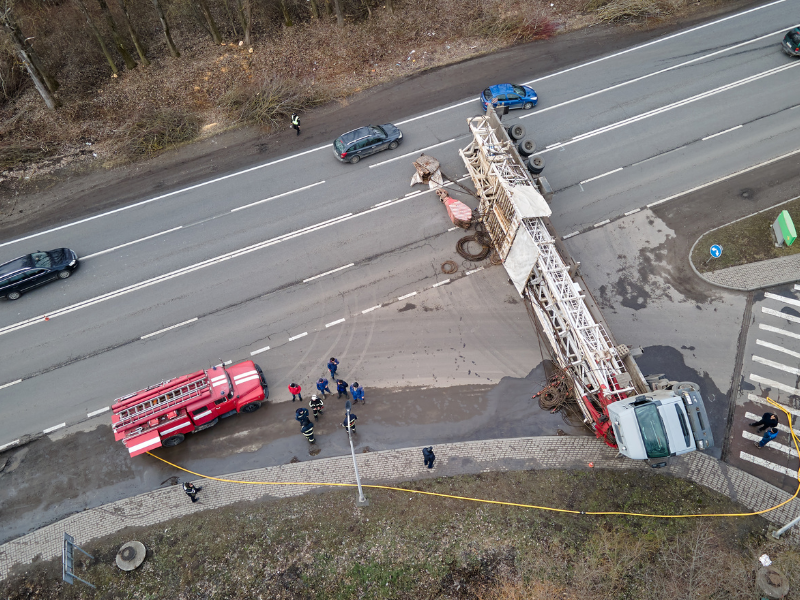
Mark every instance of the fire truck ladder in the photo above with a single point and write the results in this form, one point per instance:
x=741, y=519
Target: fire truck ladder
x=161, y=402
x=580, y=345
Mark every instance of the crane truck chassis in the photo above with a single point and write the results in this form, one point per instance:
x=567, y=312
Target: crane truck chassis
x=644, y=418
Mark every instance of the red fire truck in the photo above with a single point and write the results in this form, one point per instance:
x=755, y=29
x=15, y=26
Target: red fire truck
x=162, y=414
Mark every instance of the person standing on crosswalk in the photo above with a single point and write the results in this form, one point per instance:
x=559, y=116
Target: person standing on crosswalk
x=770, y=435
x=767, y=420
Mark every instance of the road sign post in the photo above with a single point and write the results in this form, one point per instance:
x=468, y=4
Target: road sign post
x=67, y=561
x=362, y=500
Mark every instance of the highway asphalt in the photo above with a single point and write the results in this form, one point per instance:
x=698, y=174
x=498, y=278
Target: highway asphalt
x=279, y=253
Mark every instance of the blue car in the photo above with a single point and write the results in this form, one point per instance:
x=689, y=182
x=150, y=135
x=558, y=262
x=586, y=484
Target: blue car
x=510, y=95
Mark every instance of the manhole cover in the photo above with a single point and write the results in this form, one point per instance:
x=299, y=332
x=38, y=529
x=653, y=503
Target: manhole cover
x=131, y=555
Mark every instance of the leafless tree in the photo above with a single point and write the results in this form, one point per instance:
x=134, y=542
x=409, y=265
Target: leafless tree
x=112, y=25
x=45, y=84
x=123, y=5
x=165, y=26
x=314, y=9
x=243, y=8
x=287, y=18
x=390, y=6
x=98, y=36
x=209, y=19
x=337, y=6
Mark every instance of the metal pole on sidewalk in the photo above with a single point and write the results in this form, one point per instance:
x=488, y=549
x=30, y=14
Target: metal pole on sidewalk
x=777, y=534
x=362, y=501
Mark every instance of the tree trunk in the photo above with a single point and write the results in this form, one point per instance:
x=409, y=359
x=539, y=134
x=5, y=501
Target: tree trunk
x=123, y=4
x=37, y=76
x=232, y=20
x=368, y=7
x=339, y=16
x=14, y=30
x=390, y=6
x=243, y=8
x=287, y=18
x=112, y=25
x=314, y=9
x=172, y=49
x=328, y=7
x=212, y=25
x=97, y=36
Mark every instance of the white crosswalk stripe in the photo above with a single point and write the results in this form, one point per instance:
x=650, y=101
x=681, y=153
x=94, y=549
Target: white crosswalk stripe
x=759, y=400
x=757, y=460
x=774, y=384
x=778, y=348
x=776, y=365
x=780, y=298
x=777, y=313
x=778, y=330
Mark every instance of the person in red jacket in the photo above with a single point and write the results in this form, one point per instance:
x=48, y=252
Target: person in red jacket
x=295, y=390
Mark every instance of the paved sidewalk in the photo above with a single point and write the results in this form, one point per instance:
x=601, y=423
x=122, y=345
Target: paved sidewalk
x=754, y=276
x=391, y=466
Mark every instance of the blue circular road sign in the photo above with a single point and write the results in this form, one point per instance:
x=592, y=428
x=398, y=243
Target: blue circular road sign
x=716, y=251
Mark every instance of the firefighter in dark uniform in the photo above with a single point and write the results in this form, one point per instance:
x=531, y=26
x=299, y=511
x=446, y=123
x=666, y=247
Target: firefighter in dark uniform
x=191, y=490
x=317, y=406
x=352, y=422
x=301, y=414
x=307, y=429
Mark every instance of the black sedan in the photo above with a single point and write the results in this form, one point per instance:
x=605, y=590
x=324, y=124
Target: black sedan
x=354, y=145
x=32, y=270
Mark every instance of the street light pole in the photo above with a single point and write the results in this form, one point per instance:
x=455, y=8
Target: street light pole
x=362, y=500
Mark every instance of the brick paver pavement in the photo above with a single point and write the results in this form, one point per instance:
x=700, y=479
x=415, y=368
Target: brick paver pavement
x=755, y=276
x=389, y=466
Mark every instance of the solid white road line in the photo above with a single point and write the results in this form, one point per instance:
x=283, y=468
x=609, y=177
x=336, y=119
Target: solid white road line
x=762, y=401
x=777, y=313
x=474, y=271
x=259, y=351
x=599, y=176
x=778, y=348
x=780, y=298
x=725, y=178
x=297, y=337
x=52, y=429
x=632, y=212
x=9, y=444
x=781, y=427
x=100, y=411
x=407, y=296
x=328, y=273
x=301, y=189
x=713, y=135
x=668, y=107
x=772, y=445
x=654, y=73
x=366, y=310
x=10, y=383
x=144, y=337
x=601, y=223
x=779, y=331
x=149, y=237
x=774, y=384
x=162, y=196
x=435, y=285
x=757, y=460
x=332, y=323
x=658, y=41
x=415, y=152
x=776, y=365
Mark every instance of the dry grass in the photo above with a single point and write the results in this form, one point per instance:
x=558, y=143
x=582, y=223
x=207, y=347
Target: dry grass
x=408, y=546
x=617, y=11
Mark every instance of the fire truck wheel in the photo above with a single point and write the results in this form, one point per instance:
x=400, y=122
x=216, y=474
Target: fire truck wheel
x=393, y=145
x=13, y=295
x=252, y=407
x=173, y=440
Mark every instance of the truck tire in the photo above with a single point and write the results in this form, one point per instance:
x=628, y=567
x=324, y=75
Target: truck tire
x=526, y=148
x=516, y=132
x=688, y=386
x=173, y=440
x=263, y=380
x=535, y=164
x=252, y=407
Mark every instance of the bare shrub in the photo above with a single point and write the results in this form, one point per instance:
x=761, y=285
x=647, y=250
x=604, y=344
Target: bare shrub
x=159, y=130
x=14, y=153
x=269, y=103
x=634, y=10
x=12, y=75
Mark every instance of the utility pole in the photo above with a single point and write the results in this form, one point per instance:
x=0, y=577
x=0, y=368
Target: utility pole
x=362, y=500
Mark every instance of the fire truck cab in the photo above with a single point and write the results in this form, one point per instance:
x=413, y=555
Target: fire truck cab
x=162, y=414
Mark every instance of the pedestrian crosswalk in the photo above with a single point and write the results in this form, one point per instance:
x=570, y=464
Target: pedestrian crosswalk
x=772, y=368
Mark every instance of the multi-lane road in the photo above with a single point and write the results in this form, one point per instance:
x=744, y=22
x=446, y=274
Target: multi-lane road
x=303, y=257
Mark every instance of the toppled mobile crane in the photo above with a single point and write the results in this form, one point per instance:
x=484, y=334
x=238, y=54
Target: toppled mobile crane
x=645, y=418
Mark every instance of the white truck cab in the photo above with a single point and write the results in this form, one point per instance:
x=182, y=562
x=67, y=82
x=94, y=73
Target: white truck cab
x=660, y=424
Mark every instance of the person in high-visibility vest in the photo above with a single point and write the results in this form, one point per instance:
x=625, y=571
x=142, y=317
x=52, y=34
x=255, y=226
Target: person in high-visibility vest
x=301, y=414
x=296, y=123
x=307, y=429
x=352, y=422
x=317, y=406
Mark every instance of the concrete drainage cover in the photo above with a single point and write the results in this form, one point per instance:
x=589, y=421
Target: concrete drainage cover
x=772, y=583
x=131, y=555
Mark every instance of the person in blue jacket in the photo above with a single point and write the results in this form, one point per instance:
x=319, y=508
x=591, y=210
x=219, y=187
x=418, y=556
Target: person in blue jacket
x=770, y=435
x=322, y=386
x=341, y=388
x=301, y=414
x=333, y=364
x=357, y=391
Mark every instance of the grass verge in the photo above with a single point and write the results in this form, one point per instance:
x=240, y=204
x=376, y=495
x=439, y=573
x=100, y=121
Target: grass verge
x=411, y=546
x=745, y=241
